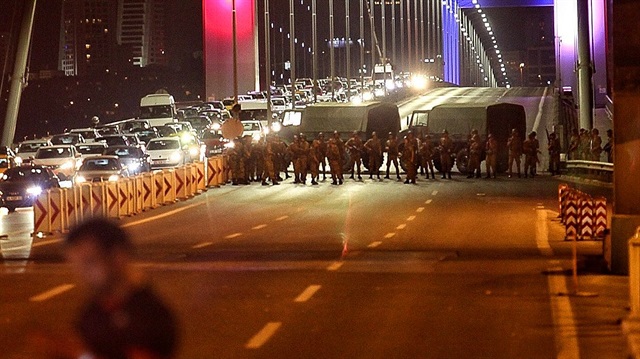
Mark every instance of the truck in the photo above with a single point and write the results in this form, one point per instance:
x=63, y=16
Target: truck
x=497, y=119
x=158, y=109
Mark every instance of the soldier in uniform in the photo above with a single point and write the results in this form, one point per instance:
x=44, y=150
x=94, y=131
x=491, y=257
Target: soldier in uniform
x=391, y=147
x=302, y=158
x=354, y=146
x=446, y=146
x=315, y=153
x=492, y=156
x=293, y=150
x=514, y=145
x=584, y=145
x=475, y=151
x=530, y=148
x=334, y=155
x=595, y=145
x=426, y=156
x=322, y=154
x=409, y=157
x=268, y=155
x=574, y=143
x=374, y=149
x=236, y=159
x=554, y=154
x=279, y=150
x=258, y=154
x=249, y=161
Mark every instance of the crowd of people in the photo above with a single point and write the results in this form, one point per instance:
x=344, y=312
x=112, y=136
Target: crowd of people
x=268, y=161
x=587, y=145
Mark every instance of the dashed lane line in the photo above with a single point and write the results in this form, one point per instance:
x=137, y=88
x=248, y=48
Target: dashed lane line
x=335, y=266
x=374, y=244
x=434, y=193
x=402, y=226
x=167, y=214
x=411, y=218
x=260, y=226
x=420, y=209
x=201, y=245
x=51, y=293
x=282, y=218
x=389, y=235
x=307, y=293
x=428, y=201
x=263, y=335
x=232, y=236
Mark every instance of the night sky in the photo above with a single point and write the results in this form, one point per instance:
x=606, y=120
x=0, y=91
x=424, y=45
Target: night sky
x=184, y=25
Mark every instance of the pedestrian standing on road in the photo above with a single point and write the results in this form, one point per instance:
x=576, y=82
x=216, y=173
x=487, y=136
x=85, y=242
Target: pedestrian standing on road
x=492, y=156
x=124, y=317
x=391, y=147
x=445, y=148
x=354, y=147
x=335, y=159
x=280, y=158
x=426, y=156
x=373, y=146
x=409, y=158
x=269, y=156
x=250, y=159
x=475, y=151
x=303, y=158
x=315, y=154
x=531, y=148
x=554, y=154
x=258, y=153
x=293, y=151
x=322, y=154
x=514, y=146
x=595, y=145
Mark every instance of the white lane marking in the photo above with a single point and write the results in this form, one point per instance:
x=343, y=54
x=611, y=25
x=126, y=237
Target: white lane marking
x=282, y=218
x=51, y=293
x=566, y=334
x=434, y=193
x=411, y=218
x=263, y=335
x=402, y=226
x=232, y=236
x=428, y=201
x=260, y=226
x=542, y=235
x=335, y=266
x=44, y=243
x=389, y=235
x=374, y=244
x=420, y=209
x=170, y=213
x=202, y=245
x=307, y=293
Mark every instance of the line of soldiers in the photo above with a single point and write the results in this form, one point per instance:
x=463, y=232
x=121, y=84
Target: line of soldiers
x=268, y=160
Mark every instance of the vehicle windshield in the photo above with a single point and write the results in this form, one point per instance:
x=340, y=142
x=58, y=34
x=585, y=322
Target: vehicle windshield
x=125, y=152
x=160, y=111
x=86, y=134
x=30, y=147
x=114, y=141
x=65, y=139
x=90, y=150
x=164, y=145
x=420, y=118
x=251, y=126
x=100, y=164
x=53, y=152
x=4, y=162
x=22, y=174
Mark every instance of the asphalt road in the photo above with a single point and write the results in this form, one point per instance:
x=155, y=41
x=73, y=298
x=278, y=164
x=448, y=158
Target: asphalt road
x=373, y=269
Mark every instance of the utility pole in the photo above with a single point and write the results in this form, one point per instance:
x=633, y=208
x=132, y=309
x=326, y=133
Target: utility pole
x=267, y=65
x=314, y=35
x=19, y=76
x=292, y=51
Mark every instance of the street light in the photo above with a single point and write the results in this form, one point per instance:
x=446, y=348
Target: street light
x=521, y=74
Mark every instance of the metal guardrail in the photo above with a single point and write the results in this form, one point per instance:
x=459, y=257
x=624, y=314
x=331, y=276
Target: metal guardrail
x=590, y=165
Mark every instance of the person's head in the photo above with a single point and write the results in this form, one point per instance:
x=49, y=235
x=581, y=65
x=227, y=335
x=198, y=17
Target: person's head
x=609, y=133
x=336, y=134
x=391, y=136
x=514, y=132
x=235, y=110
x=354, y=134
x=321, y=136
x=374, y=134
x=445, y=133
x=595, y=132
x=99, y=250
x=533, y=134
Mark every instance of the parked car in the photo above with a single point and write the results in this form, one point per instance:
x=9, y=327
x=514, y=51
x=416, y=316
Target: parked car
x=67, y=139
x=133, y=157
x=7, y=158
x=27, y=149
x=91, y=149
x=101, y=169
x=64, y=160
x=19, y=186
x=166, y=152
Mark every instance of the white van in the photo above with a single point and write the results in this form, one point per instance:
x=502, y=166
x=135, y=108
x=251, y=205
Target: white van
x=158, y=109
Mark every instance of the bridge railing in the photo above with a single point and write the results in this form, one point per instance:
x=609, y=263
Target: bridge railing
x=602, y=171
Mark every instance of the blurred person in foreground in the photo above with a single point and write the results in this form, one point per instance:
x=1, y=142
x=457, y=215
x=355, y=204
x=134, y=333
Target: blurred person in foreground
x=124, y=317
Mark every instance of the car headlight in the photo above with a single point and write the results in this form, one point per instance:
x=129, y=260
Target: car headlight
x=18, y=160
x=256, y=137
x=80, y=179
x=175, y=157
x=67, y=165
x=229, y=145
x=35, y=190
x=193, y=151
x=186, y=137
x=133, y=166
x=114, y=178
x=216, y=126
x=276, y=127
